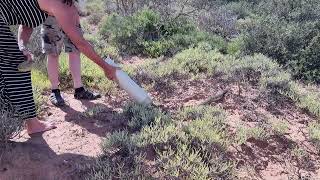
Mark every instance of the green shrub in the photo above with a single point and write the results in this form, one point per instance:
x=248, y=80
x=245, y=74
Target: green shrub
x=39, y=98
x=305, y=99
x=205, y=124
x=139, y=115
x=206, y=131
x=205, y=61
x=236, y=46
x=157, y=133
x=245, y=133
x=129, y=33
x=95, y=18
x=194, y=61
x=192, y=150
x=145, y=33
x=127, y=165
x=286, y=31
x=94, y=7
x=307, y=66
x=157, y=48
x=183, y=163
x=280, y=127
x=314, y=133
x=119, y=139
x=299, y=152
x=196, y=149
x=11, y=122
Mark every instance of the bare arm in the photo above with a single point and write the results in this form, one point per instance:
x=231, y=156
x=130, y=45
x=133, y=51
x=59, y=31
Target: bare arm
x=68, y=19
x=24, y=34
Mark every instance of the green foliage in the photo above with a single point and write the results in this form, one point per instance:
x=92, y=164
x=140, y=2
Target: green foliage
x=201, y=112
x=39, y=98
x=299, y=152
x=127, y=165
x=280, y=127
x=307, y=66
x=206, y=131
x=236, y=46
x=257, y=69
x=140, y=115
x=95, y=19
x=119, y=139
x=11, y=122
x=314, y=133
x=40, y=83
x=203, y=61
x=245, y=133
x=183, y=163
x=158, y=133
x=305, y=99
x=93, y=112
x=194, y=62
x=94, y=7
x=180, y=149
x=145, y=33
x=206, y=124
x=286, y=31
x=310, y=102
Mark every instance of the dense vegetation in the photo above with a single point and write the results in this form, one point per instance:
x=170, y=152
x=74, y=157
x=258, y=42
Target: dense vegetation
x=287, y=30
x=271, y=46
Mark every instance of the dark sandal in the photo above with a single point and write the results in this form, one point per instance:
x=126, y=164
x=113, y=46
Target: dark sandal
x=56, y=98
x=86, y=95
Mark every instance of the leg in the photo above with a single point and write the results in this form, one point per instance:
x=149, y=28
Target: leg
x=16, y=88
x=53, y=70
x=52, y=40
x=75, y=69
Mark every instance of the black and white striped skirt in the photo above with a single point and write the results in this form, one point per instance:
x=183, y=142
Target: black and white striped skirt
x=15, y=86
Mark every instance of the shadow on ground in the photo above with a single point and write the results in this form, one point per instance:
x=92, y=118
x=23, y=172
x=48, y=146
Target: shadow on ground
x=35, y=160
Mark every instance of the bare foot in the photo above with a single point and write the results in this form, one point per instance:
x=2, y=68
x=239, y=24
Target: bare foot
x=35, y=126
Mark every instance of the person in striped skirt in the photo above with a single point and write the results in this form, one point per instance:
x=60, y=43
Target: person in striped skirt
x=15, y=86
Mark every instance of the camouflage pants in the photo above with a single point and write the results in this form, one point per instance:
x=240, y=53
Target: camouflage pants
x=54, y=39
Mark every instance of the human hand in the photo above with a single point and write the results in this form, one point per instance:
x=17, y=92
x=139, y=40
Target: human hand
x=110, y=72
x=28, y=54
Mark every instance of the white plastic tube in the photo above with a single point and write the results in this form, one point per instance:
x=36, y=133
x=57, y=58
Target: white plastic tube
x=132, y=88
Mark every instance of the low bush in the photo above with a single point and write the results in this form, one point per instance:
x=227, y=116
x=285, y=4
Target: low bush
x=244, y=134
x=145, y=33
x=287, y=32
x=177, y=147
x=280, y=127
x=139, y=115
x=314, y=133
x=11, y=122
x=305, y=99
